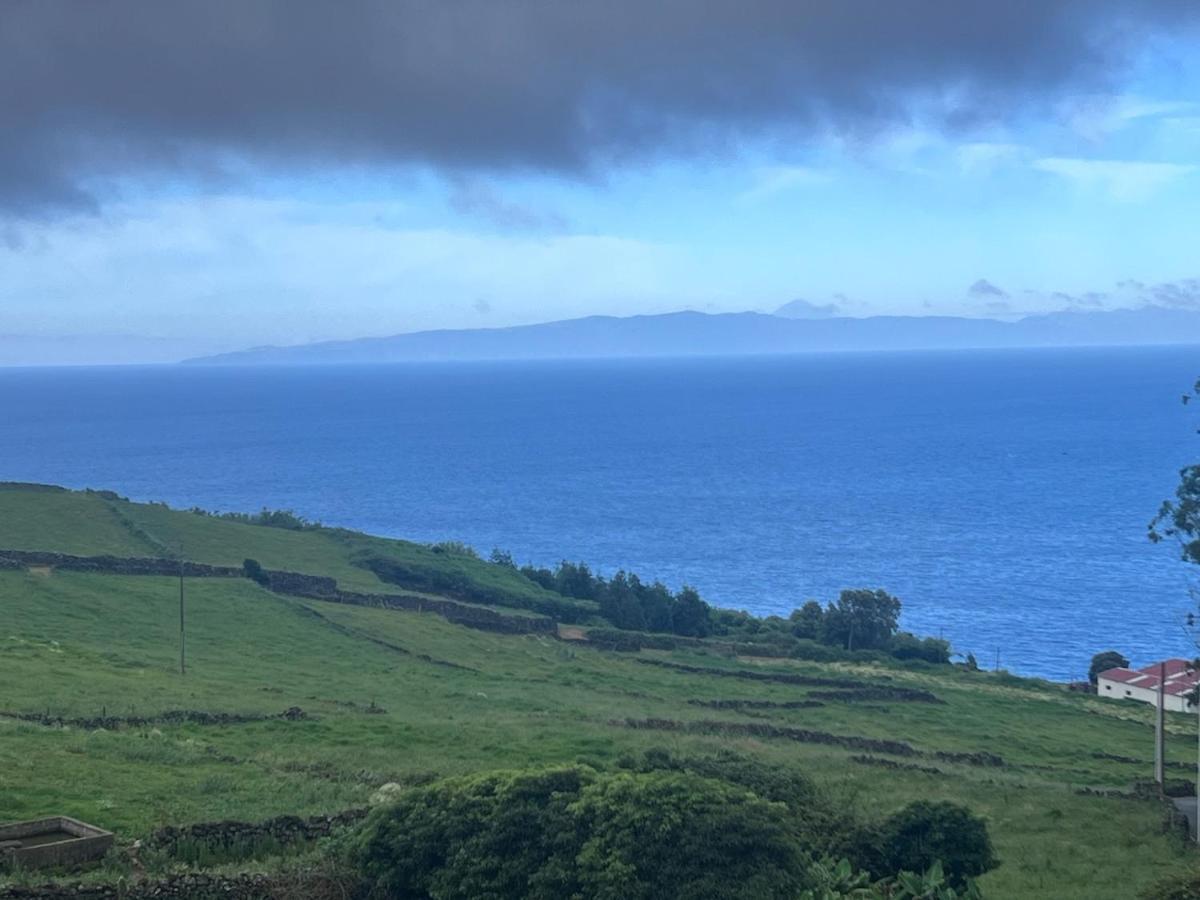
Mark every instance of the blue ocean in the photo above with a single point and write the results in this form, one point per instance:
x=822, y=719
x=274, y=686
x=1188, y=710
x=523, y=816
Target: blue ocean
x=1003, y=496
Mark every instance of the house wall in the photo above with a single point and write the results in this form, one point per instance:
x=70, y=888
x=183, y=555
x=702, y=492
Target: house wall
x=1119, y=691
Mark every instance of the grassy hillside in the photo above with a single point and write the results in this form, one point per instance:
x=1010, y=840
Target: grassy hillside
x=393, y=696
x=90, y=523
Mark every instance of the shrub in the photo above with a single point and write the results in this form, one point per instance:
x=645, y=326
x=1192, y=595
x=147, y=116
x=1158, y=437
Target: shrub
x=924, y=833
x=908, y=646
x=454, y=548
x=573, y=832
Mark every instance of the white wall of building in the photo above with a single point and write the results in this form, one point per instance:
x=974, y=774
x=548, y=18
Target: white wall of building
x=1120, y=691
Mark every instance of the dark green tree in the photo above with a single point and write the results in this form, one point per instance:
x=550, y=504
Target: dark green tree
x=924, y=833
x=691, y=615
x=502, y=558
x=620, y=603
x=575, y=580
x=862, y=620
x=656, y=604
x=539, y=576
x=1101, y=662
x=808, y=621
x=908, y=646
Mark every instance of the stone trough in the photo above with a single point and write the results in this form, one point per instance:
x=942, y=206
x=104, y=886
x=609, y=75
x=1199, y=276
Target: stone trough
x=52, y=842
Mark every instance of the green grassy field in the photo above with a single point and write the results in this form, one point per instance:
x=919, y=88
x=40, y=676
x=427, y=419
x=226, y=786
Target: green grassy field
x=394, y=696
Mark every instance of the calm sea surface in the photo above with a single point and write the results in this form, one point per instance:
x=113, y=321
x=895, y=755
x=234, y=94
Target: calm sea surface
x=1003, y=496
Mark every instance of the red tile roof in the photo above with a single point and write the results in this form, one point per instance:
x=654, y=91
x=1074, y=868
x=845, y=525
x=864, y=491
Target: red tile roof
x=1180, y=676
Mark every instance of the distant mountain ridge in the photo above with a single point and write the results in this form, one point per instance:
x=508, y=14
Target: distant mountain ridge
x=748, y=333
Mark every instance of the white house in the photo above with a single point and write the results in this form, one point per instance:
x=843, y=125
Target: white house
x=1179, y=679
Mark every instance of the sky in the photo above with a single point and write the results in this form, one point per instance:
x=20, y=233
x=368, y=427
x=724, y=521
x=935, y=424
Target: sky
x=186, y=178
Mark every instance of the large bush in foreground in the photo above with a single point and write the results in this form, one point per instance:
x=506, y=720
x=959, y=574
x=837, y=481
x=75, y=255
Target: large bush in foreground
x=722, y=826
x=925, y=833
x=574, y=832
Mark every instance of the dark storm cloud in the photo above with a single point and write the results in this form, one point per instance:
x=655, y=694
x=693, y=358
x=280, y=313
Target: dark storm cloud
x=108, y=88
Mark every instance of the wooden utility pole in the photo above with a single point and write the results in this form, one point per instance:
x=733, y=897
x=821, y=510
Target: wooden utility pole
x=182, y=637
x=1159, y=732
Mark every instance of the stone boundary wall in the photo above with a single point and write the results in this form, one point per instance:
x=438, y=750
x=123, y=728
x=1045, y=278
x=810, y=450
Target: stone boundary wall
x=285, y=830
x=748, y=729
x=460, y=614
x=293, y=584
x=170, y=717
x=317, y=587
x=195, y=886
x=882, y=693
x=746, y=674
x=114, y=565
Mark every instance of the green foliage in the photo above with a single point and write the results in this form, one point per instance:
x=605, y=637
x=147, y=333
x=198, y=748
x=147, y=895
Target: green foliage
x=1102, y=662
x=925, y=833
x=862, y=619
x=627, y=602
x=270, y=518
x=204, y=854
x=930, y=885
x=822, y=825
x=808, y=622
x=454, y=548
x=573, y=832
x=1180, y=518
x=908, y=646
x=839, y=881
x=503, y=558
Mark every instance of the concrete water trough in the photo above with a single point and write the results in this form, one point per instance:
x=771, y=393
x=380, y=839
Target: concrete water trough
x=52, y=842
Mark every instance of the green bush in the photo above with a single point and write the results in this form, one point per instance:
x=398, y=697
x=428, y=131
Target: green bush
x=908, y=646
x=574, y=832
x=925, y=833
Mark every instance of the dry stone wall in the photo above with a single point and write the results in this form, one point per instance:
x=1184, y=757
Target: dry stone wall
x=194, y=886
x=284, y=830
x=294, y=584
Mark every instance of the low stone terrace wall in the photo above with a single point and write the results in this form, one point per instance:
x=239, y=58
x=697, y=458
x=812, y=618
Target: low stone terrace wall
x=294, y=584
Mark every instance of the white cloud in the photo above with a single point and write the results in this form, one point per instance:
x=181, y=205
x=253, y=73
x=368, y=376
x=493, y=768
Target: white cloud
x=1096, y=118
x=772, y=180
x=240, y=271
x=983, y=157
x=1123, y=180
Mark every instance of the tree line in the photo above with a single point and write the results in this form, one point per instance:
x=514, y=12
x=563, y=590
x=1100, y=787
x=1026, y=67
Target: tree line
x=859, y=620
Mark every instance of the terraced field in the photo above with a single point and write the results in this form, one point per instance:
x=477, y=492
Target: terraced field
x=298, y=706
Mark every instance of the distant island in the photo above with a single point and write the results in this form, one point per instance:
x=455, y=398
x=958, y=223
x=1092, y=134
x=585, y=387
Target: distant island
x=730, y=334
